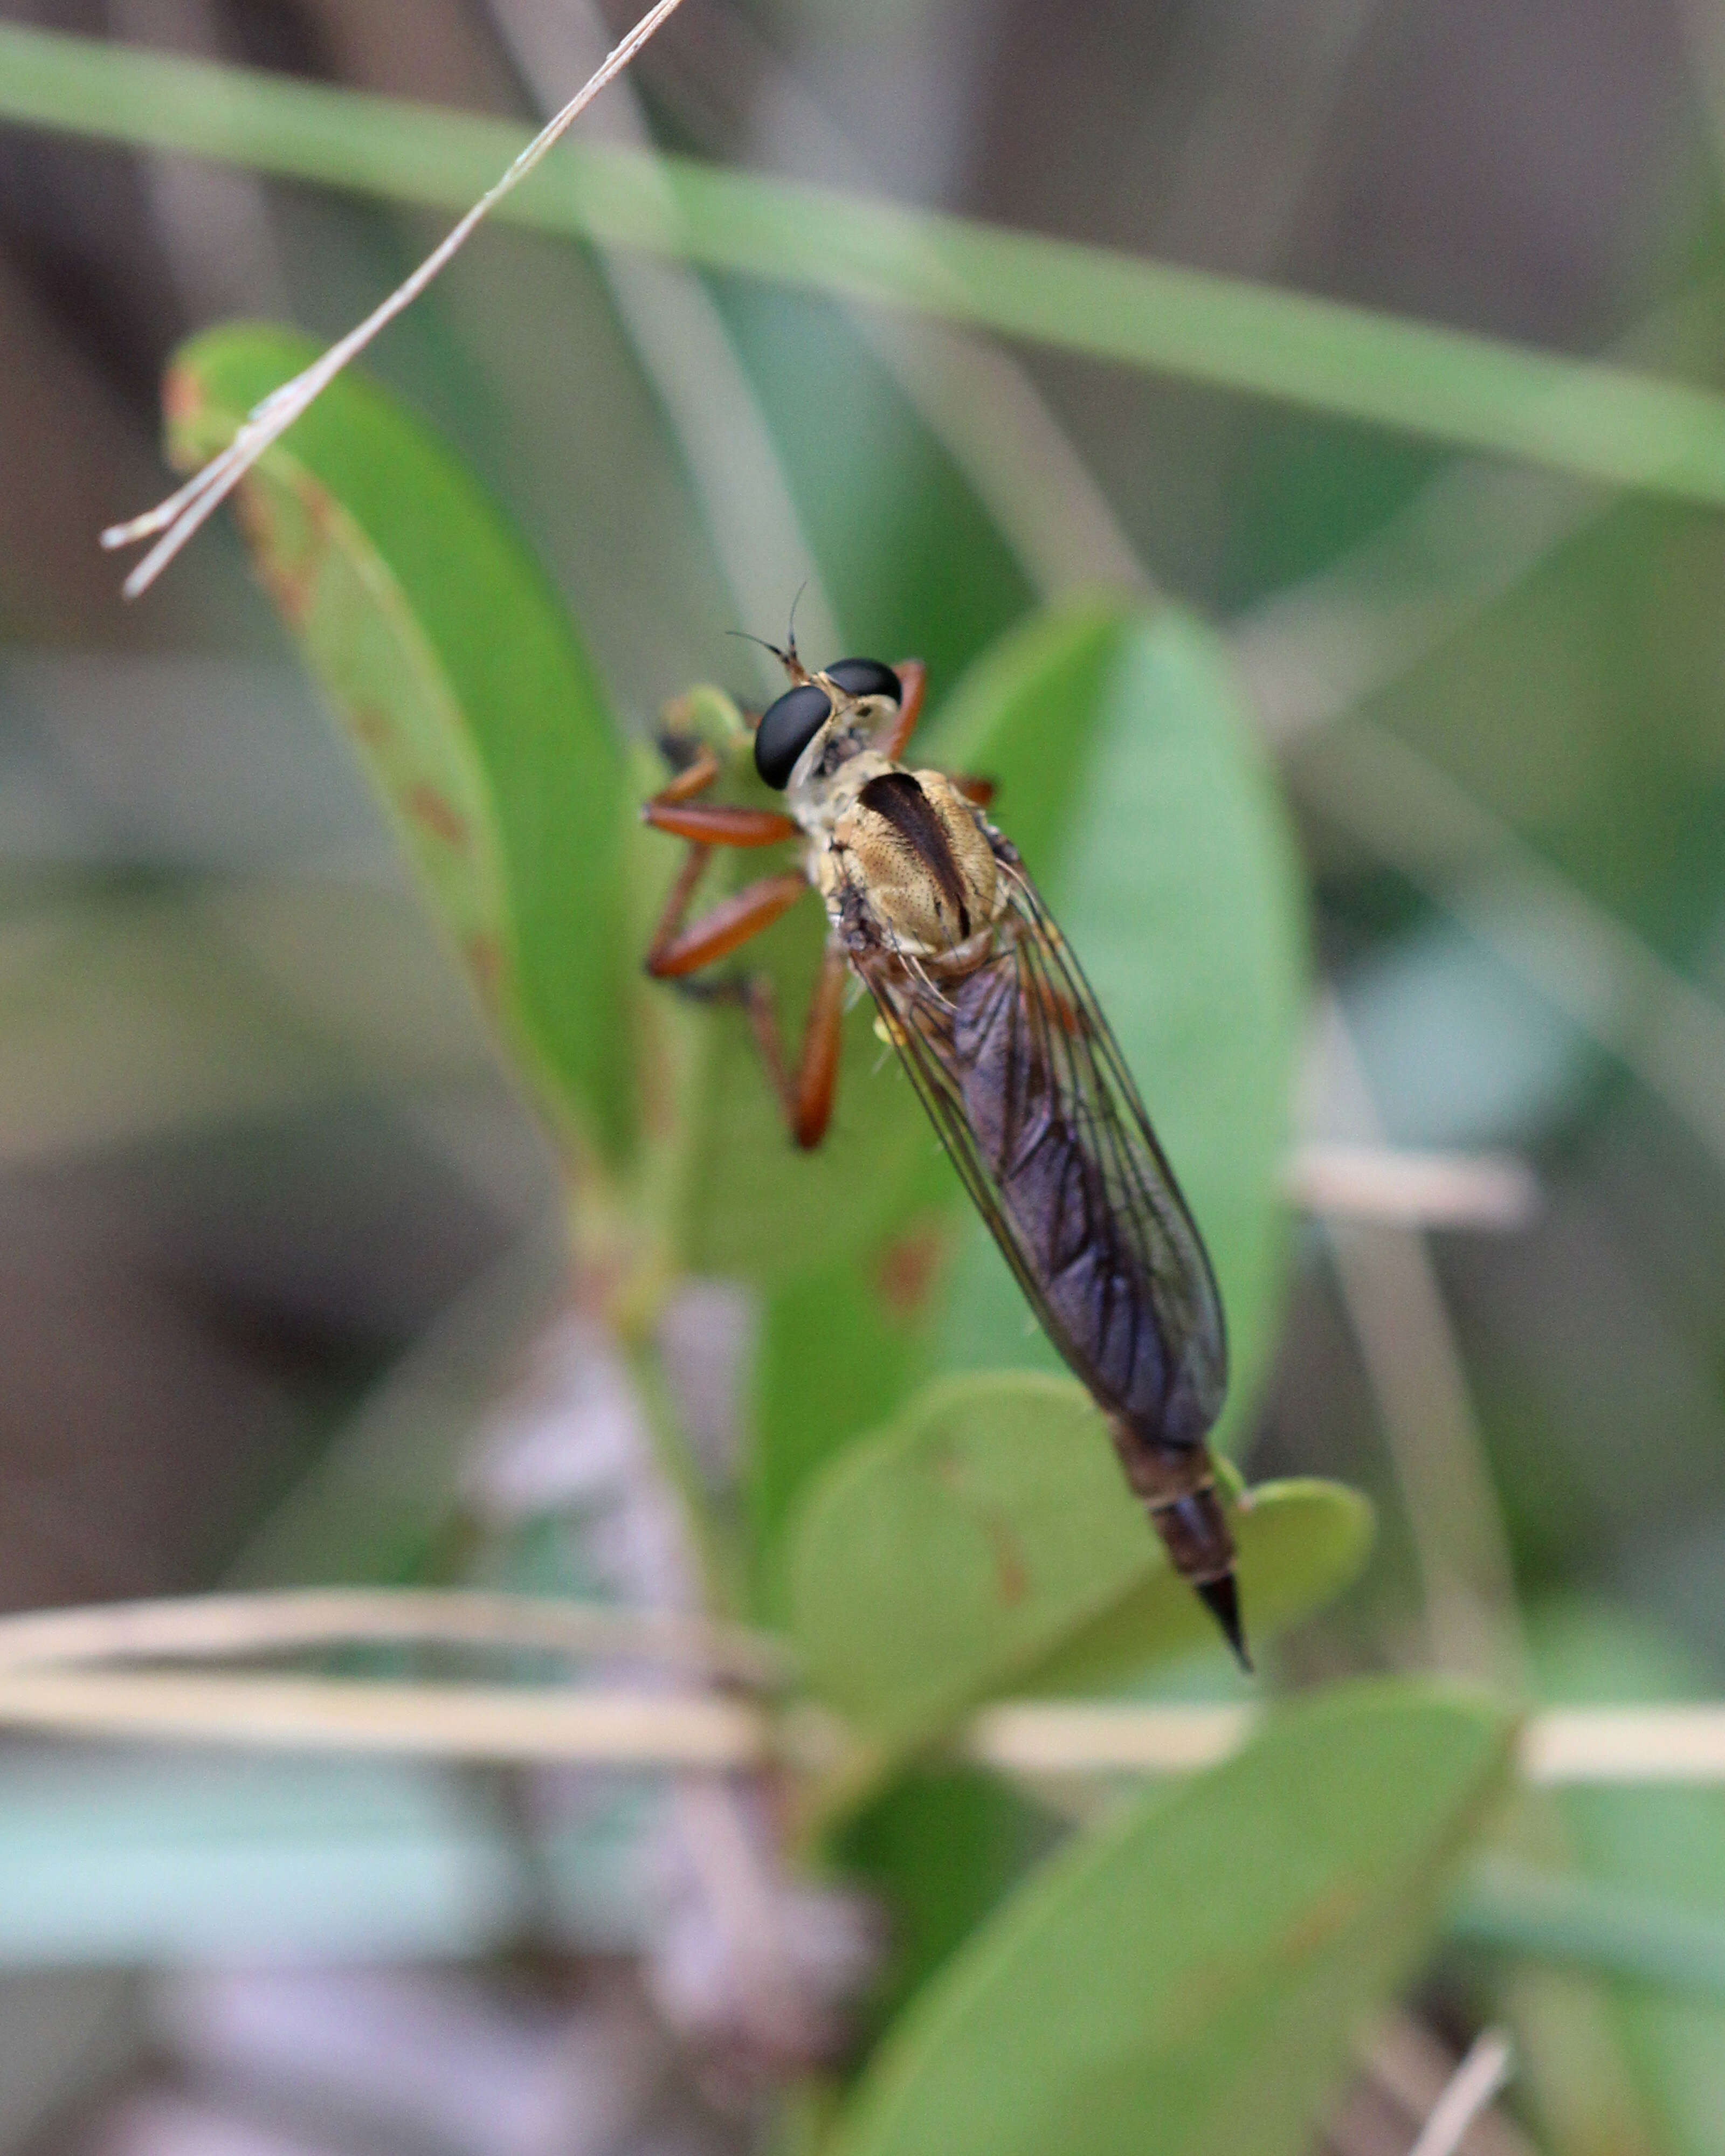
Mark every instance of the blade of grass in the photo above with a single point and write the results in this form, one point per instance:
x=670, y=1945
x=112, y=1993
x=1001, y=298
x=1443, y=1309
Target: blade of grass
x=977, y=401
x=683, y=346
x=1599, y=422
x=1392, y=800
x=1611, y=1931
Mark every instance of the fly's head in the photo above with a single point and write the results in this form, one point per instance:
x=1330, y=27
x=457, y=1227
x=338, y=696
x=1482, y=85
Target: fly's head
x=809, y=739
x=900, y=856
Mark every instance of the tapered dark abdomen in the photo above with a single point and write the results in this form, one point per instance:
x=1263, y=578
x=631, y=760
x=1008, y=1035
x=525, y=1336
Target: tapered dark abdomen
x=1106, y=1313
x=1087, y=1263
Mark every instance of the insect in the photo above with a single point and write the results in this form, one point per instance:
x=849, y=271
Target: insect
x=975, y=987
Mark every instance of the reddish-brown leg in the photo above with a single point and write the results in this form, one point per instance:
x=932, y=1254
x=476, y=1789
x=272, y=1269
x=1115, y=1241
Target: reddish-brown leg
x=807, y=1097
x=676, y=951
x=673, y=809
x=706, y=824
x=694, y=779
x=912, y=673
x=979, y=792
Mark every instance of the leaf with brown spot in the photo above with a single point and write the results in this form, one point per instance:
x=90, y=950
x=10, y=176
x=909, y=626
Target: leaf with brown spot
x=984, y=1540
x=1191, y=1979
x=452, y=667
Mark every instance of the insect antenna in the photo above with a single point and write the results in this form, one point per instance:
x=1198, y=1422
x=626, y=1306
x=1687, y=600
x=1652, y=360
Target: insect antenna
x=789, y=659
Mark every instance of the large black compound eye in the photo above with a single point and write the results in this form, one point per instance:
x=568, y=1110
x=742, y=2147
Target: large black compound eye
x=866, y=677
x=786, y=729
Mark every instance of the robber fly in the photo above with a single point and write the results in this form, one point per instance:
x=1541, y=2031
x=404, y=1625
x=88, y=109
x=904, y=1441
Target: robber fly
x=1004, y=1040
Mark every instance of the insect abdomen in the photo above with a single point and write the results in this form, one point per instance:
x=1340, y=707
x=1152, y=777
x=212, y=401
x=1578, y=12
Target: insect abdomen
x=1055, y=1193
x=1096, y=1289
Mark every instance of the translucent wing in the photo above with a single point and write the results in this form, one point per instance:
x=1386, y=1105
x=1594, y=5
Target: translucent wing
x=1027, y=1086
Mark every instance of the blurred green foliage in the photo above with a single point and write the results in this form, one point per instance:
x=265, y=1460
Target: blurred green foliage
x=983, y=1533
x=1547, y=971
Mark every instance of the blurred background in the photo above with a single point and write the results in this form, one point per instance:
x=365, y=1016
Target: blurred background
x=280, y=1245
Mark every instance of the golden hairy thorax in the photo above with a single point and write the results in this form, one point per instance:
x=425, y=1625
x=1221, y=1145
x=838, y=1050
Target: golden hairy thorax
x=911, y=845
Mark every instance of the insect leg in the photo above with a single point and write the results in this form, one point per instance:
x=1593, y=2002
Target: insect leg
x=805, y=1095
x=706, y=824
x=676, y=950
x=818, y=1068
x=695, y=778
x=674, y=810
x=911, y=675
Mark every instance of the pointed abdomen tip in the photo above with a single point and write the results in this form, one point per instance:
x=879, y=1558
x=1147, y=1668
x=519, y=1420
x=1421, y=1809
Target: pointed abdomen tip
x=1221, y=1597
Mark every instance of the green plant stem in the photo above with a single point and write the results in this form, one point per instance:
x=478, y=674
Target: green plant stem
x=715, y=1545
x=1594, y=420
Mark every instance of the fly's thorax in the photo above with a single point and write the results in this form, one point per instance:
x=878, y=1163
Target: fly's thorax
x=907, y=852
x=818, y=797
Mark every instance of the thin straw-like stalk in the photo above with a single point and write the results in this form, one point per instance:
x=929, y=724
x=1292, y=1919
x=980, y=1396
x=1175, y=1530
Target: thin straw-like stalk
x=599, y=1725
x=231, y=1624
x=182, y=513
x=1413, y=1189
x=1476, y=2082
x=46, y=1683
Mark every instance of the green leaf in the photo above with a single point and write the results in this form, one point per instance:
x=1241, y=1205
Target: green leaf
x=957, y=1552
x=736, y=1196
x=1029, y=714
x=1191, y=1979
x=453, y=668
x=754, y=1206
x=1173, y=880
x=1477, y=392
x=1301, y=1543
x=839, y=1350
x=941, y=1851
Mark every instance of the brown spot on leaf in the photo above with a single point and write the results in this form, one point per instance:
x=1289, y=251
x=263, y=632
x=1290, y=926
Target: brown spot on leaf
x=373, y=725
x=1012, y=1574
x=485, y=961
x=291, y=585
x=1011, y=1570
x=314, y=498
x=1318, y=1925
x=436, y=814
x=907, y=1268
x=182, y=397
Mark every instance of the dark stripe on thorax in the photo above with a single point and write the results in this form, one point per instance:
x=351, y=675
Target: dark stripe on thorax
x=896, y=798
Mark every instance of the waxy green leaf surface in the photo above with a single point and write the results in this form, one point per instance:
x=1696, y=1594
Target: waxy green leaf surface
x=456, y=675
x=986, y=1536
x=1190, y=1980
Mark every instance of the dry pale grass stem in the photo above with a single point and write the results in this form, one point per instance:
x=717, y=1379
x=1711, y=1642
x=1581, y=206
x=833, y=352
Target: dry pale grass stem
x=178, y=517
